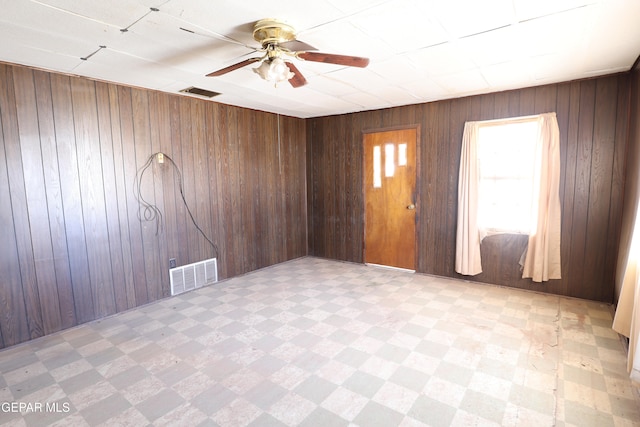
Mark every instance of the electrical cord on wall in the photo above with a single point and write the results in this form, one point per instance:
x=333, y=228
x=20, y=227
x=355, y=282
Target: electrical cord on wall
x=146, y=211
x=150, y=212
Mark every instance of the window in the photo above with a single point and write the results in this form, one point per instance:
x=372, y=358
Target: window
x=506, y=164
x=509, y=181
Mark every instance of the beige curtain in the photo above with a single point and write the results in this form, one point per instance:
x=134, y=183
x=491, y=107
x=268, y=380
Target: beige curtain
x=468, y=235
x=627, y=317
x=541, y=260
x=542, y=256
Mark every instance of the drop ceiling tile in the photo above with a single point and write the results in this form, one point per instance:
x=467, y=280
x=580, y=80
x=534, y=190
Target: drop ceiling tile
x=361, y=78
x=57, y=44
x=394, y=95
x=42, y=19
x=109, y=65
x=27, y=55
x=604, y=57
x=492, y=47
x=165, y=28
x=561, y=32
x=446, y=58
x=556, y=67
x=225, y=17
x=313, y=97
x=508, y=75
x=118, y=13
x=462, y=83
x=136, y=45
x=346, y=39
x=419, y=28
x=462, y=18
x=330, y=85
x=391, y=68
x=425, y=89
x=366, y=101
x=618, y=20
x=527, y=9
x=201, y=55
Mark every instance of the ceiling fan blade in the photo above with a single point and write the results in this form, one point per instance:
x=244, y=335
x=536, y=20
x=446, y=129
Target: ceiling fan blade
x=296, y=46
x=328, y=58
x=298, y=79
x=233, y=67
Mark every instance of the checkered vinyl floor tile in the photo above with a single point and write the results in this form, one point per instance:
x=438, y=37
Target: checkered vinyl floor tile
x=314, y=342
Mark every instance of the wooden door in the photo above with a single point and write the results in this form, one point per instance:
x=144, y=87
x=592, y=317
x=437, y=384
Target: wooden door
x=389, y=194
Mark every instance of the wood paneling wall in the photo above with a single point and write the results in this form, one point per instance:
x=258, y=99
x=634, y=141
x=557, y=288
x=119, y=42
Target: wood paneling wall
x=632, y=182
x=72, y=247
x=593, y=119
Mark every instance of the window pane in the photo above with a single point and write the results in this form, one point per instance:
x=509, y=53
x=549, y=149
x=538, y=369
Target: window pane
x=506, y=155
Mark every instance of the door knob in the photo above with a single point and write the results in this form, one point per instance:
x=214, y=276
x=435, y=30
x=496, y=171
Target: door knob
x=411, y=206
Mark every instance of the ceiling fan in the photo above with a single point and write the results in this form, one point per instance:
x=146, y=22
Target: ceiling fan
x=278, y=40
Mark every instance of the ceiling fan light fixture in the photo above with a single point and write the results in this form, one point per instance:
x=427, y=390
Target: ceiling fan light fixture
x=274, y=70
x=277, y=39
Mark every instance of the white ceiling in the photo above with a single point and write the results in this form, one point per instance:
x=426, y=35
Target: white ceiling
x=420, y=50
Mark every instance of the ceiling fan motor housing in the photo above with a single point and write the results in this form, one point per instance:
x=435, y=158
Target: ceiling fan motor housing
x=271, y=31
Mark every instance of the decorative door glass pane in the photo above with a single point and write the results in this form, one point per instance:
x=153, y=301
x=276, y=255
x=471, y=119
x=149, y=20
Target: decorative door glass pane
x=389, y=161
x=377, y=167
x=402, y=155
